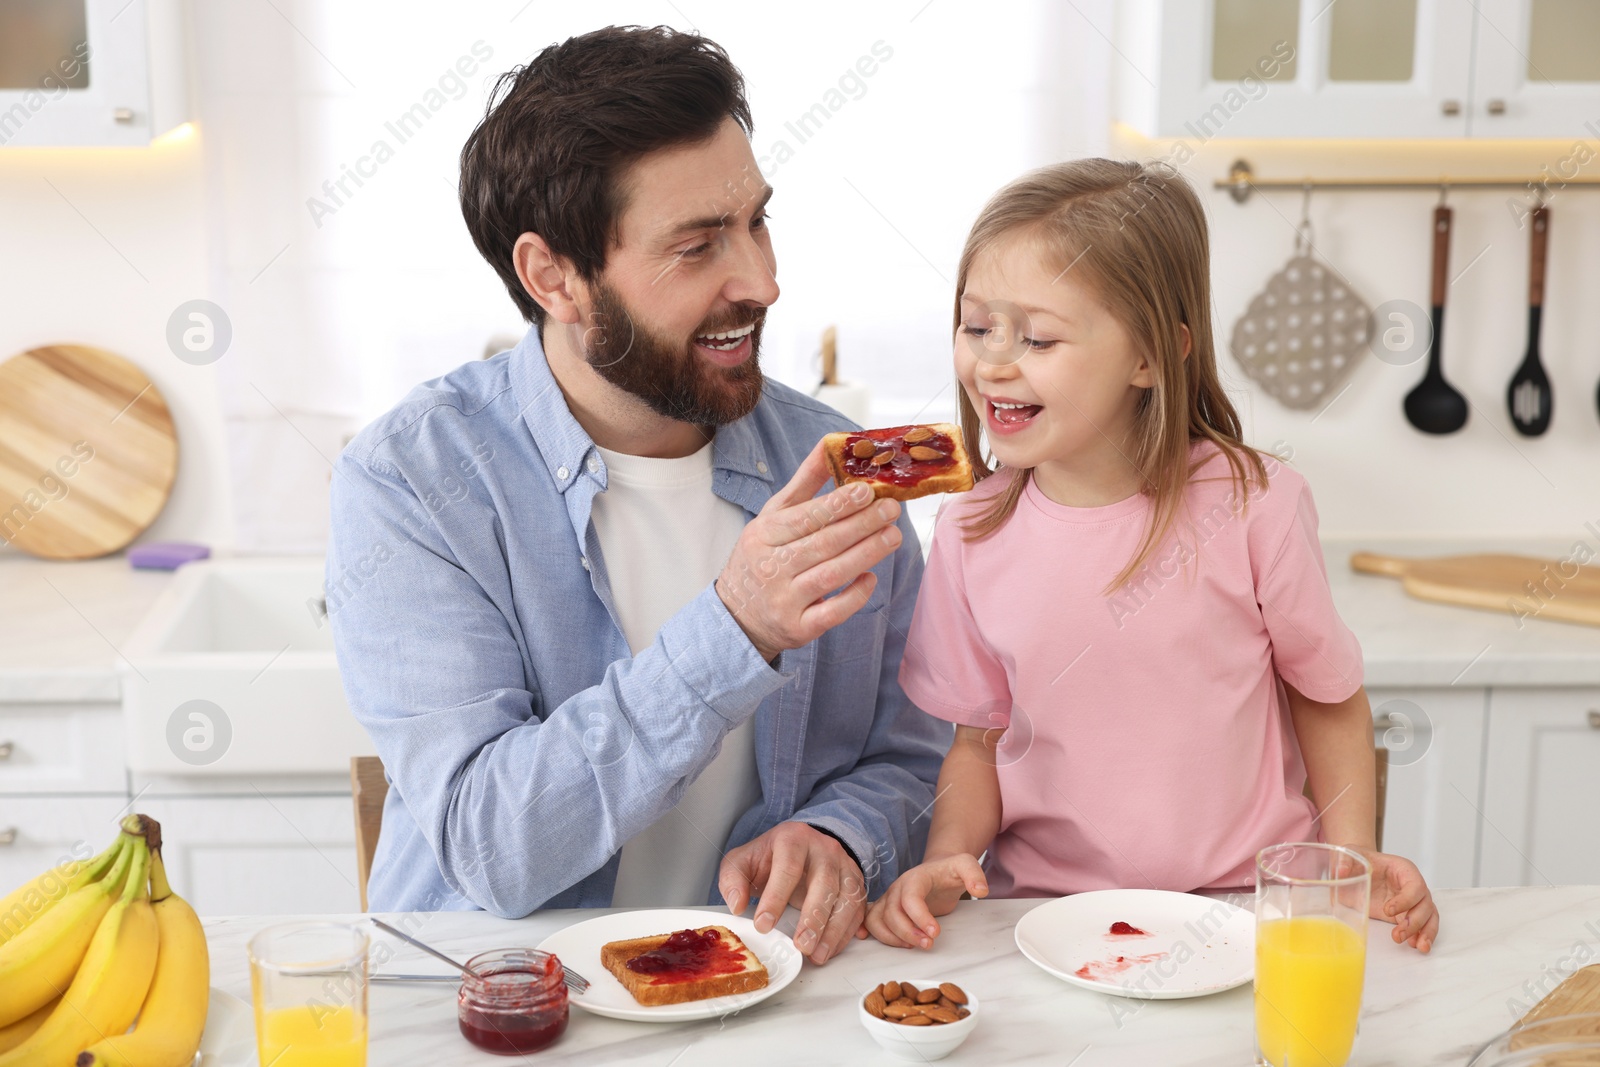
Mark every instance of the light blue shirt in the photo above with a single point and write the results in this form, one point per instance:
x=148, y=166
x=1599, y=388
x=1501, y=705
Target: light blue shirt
x=523, y=744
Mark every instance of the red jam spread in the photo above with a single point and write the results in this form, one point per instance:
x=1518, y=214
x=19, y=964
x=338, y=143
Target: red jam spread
x=511, y=1036
x=1125, y=928
x=515, y=1004
x=686, y=956
x=893, y=459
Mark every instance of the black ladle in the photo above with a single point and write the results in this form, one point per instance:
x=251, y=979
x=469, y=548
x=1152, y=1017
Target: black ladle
x=1434, y=406
x=1528, y=396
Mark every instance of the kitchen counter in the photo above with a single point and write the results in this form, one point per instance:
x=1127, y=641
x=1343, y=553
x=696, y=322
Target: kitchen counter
x=1411, y=642
x=62, y=623
x=1496, y=947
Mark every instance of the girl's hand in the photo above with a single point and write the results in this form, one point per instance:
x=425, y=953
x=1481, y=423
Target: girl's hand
x=904, y=916
x=1400, y=896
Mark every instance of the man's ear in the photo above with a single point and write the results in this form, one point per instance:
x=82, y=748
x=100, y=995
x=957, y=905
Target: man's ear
x=1144, y=374
x=545, y=277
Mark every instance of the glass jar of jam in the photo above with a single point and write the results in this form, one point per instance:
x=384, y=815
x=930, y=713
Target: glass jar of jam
x=514, y=1002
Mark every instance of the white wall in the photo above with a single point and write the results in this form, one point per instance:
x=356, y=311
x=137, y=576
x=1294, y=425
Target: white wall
x=333, y=322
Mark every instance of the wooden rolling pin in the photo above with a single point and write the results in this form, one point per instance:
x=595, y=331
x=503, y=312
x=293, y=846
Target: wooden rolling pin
x=1517, y=585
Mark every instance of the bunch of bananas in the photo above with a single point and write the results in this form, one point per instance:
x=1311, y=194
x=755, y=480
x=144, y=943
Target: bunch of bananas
x=88, y=948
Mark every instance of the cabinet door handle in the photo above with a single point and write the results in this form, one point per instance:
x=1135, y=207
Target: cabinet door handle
x=1594, y=718
x=1497, y=106
x=6, y=748
x=1450, y=107
x=8, y=836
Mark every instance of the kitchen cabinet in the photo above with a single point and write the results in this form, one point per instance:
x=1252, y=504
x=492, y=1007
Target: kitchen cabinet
x=61, y=748
x=1542, y=787
x=38, y=832
x=1435, y=742
x=259, y=853
x=91, y=72
x=1536, y=69
x=1357, y=69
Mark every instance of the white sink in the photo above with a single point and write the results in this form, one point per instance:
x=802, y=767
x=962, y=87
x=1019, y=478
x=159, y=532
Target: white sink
x=233, y=672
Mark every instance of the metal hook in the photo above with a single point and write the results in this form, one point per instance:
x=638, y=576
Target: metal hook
x=1302, y=232
x=1444, y=188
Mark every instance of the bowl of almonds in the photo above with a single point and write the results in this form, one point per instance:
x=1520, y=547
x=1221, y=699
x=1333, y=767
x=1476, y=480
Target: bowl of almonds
x=921, y=1019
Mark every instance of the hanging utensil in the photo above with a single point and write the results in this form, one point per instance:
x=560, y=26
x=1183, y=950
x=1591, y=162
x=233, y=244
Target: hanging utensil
x=1434, y=406
x=1528, y=396
x=1302, y=334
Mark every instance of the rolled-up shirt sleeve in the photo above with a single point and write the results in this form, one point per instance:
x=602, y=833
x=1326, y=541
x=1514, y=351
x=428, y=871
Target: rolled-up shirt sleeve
x=517, y=800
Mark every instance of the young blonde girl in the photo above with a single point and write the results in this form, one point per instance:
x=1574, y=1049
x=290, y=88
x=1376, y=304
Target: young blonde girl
x=1128, y=619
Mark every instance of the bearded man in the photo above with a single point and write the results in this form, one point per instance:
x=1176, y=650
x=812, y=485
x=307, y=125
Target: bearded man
x=613, y=644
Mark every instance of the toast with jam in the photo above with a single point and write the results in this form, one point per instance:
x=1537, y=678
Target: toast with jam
x=901, y=462
x=685, y=965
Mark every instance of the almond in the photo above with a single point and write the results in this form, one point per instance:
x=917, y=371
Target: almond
x=924, y=452
x=927, y=996
x=946, y=1002
x=962, y=1013
x=908, y=990
x=863, y=448
x=898, y=1010
x=953, y=991
x=918, y=433
x=916, y=1020
x=875, y=1004
x=941, y=1015
x=890, y=991
x=883, y=457
x=904, y=1002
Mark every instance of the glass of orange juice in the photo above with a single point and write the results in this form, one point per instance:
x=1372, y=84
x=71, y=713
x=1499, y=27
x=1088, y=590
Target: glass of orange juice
x=309, y=982
x=1311, y=953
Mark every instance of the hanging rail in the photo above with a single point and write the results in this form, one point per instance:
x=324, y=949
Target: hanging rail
x=1241, y=182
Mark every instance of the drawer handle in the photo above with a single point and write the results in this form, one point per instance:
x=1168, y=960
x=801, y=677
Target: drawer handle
x=6, y=748
x=1594, y=718
x=8, y=836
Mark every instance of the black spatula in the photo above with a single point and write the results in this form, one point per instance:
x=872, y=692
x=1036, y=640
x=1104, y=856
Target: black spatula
x=1528, y=396
x=1434, y=406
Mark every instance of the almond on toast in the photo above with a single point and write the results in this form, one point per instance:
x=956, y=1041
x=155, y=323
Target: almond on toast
x=901, y=462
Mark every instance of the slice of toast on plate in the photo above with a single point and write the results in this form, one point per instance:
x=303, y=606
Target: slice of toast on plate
x=901, y=462
x=684, y=966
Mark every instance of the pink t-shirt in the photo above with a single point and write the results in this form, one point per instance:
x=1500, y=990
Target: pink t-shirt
x=1147, y=742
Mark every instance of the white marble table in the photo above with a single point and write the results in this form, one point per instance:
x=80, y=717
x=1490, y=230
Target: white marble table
x=1497, y=946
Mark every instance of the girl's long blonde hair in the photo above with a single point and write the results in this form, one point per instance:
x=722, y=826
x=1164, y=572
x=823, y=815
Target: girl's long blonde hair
x=1135, y=233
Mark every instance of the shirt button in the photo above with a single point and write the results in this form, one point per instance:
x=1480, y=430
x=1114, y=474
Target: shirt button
x=761, y=466
x=561, y=473
x=585, y=561
x=594, y=464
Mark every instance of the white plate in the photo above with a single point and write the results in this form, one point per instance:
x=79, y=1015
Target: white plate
x=229, y=1039
x=1194, y=946
x=579, y=948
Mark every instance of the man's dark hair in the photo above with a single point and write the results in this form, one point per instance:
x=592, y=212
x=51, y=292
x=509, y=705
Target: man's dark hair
x=560, y=132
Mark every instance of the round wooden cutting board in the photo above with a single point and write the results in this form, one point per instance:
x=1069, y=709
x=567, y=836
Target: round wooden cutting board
x=87, y=452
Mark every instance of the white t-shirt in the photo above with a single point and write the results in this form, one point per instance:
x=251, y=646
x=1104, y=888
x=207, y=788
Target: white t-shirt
x=664, y=536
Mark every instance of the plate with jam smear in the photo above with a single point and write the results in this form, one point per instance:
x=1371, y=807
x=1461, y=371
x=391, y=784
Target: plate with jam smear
x=579, y=947
x=1142, y=943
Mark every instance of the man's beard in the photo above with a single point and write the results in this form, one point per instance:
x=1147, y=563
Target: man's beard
x=669, y=375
